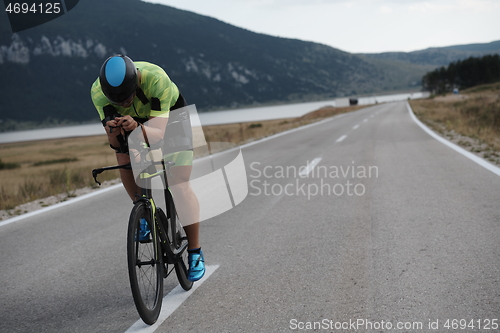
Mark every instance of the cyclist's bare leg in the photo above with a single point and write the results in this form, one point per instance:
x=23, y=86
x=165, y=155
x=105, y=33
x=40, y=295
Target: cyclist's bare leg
x=127, y=177
x=186, y=203
x=192, y=233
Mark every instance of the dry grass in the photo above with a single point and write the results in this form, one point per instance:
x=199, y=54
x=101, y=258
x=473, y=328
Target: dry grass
x=50, y=167
x=245, y=132
x=474, y=114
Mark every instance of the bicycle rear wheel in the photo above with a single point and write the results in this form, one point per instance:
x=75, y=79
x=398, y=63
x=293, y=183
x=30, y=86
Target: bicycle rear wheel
x=182, y=266
x=145, y=266
x=179, y=235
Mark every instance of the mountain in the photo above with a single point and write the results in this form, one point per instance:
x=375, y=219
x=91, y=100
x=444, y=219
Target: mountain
x=46, y=72
x=439, y=56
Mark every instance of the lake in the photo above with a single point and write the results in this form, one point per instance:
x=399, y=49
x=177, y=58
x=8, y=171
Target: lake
x=213, y=118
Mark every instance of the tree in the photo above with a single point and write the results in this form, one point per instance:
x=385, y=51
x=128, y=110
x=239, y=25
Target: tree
x=463, y=74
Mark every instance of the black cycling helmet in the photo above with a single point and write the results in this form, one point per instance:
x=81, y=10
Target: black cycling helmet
x=118, y=78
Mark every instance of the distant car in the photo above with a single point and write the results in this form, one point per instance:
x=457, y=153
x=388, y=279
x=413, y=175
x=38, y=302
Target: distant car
x=353, y=101
x=455, y=90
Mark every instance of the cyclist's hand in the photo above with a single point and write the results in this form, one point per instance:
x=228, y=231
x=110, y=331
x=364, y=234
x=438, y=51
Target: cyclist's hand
x=112, y=128
x=127, y=123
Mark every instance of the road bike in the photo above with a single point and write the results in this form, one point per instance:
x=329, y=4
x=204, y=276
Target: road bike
x=151, y=261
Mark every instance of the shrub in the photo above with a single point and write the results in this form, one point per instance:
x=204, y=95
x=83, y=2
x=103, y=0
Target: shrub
x=6, y=166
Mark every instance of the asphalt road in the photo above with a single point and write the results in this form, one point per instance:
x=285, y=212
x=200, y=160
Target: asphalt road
x=408, y=240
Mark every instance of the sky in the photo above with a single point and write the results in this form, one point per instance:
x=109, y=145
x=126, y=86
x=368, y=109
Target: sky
x=360, y=26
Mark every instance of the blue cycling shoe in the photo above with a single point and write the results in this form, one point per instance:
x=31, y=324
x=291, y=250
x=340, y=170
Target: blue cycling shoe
x=144, y=231
x=196, y=265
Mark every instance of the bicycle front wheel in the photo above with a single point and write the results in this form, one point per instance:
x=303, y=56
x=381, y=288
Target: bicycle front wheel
x=145, y=265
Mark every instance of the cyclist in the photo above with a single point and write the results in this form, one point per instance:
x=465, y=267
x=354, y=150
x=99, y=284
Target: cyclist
x=140, y=92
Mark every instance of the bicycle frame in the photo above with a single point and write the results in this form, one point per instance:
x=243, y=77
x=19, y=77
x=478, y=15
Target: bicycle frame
x=171, y=249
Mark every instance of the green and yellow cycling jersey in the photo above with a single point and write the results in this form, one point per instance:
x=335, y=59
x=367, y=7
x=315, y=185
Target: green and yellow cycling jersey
x=155, y=83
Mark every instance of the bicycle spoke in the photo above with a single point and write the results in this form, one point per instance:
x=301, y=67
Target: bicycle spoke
x=147, y=280
x=146, y=273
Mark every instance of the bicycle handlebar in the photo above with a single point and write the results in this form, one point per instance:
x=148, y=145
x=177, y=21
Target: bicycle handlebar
x=128, y=166
x=98, y=171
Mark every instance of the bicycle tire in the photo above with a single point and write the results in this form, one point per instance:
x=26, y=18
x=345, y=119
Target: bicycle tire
x=145, y=266
x=181, y=267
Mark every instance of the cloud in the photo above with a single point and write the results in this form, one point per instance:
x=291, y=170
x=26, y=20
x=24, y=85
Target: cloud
x=373, y=25
x=385, y=10
x=448, y=6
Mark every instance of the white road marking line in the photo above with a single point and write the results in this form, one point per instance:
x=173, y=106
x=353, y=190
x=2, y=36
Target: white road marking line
x=341, y=138
x=355, y=127
x=274, y=136
x=475, y=158
x=304, y=172
x=170, y=303
x=61, y=204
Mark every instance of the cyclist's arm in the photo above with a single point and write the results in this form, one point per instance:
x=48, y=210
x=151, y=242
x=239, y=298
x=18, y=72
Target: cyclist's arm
x=164, y=93
x=153, y=131
x=113, y=132
x=100, y=102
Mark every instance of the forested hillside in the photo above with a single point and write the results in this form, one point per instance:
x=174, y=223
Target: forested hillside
x=463, y=74
x=47, y=71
